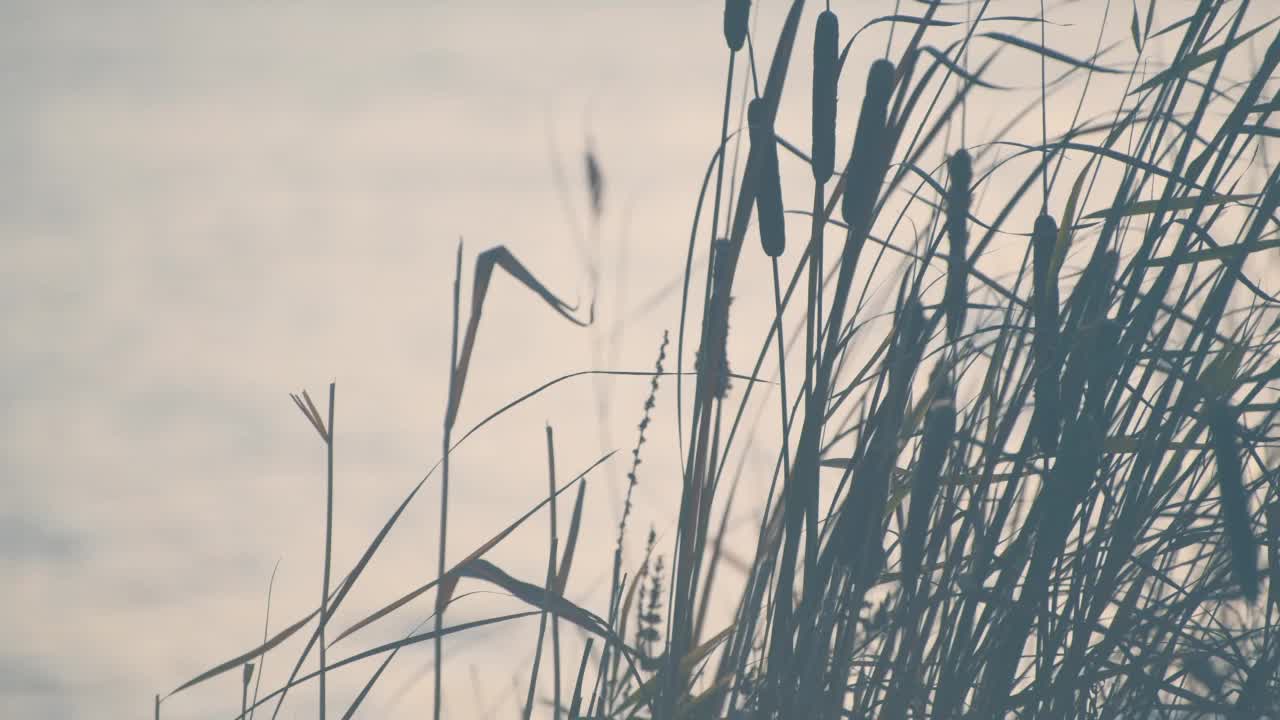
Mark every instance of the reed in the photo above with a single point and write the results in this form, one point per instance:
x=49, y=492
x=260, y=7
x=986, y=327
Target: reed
x=768, y=182
x=737, y=14
x=826, y=61
x=959, y=200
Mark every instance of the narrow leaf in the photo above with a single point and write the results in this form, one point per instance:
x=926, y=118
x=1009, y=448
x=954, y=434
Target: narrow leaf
x=1148, y=207
x=562, y=578
x=1047, y=52
x=245, y=657
x=502, y=258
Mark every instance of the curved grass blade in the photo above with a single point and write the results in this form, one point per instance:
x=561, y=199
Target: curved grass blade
x=391, y=647
x=1048, y=52
x=241, y=659
x=1149, y=207
x=537, y=596
x=562, y=577
x=450, y=576
x=1188, y=64
x=499, y=257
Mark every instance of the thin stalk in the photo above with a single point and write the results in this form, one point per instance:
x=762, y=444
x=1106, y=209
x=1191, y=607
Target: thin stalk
x=553, y=588
x=444, y=484
x=328, y=546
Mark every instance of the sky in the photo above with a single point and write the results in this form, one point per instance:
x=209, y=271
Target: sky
x=207, y=206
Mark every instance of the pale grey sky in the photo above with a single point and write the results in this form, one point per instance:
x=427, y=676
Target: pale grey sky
x=206, y=206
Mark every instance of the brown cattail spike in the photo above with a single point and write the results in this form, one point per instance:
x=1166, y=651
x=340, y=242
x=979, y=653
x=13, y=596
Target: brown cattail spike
x=1100, y=292
x=1043, y=237
x=764, y=161
x=736, y=13
x=1107, y=335
x=826, y=60
x=713, y=359
x=939, y=430
x=865, y=173
x=959, y=196
x=1044, y=305
x=1223, y=428
x=905, y=355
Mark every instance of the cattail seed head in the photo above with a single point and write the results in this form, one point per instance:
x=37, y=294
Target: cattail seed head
x=826, y=58
x=1044, y=287
x=1047, y=418
x=1223, y=426
x=764, y=163
x=939, y=431
x=1096, y=305
x=960, y=167
x=1043, y=236
x=905, y=356
x=909, y=327
x=880, y=82
x=713, y=358
x=1107, y=335
x=865, y=171
x=959, y=197
x=912, y=325
x=595, y=183
x=736, y=13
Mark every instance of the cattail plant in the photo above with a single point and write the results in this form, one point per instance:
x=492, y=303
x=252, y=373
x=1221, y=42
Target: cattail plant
x=860, y=547
x=826, y=60
x=939, y=432
x=736, y=14
x=956, y=298
x=1092, y=354
x=1223, y=437
x=764, y=161
x=1044, y=305
x=826, y=72
x=713, y=358
x=864, y=172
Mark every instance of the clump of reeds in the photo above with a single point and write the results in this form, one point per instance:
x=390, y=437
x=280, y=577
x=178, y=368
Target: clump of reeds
x=1058, y=520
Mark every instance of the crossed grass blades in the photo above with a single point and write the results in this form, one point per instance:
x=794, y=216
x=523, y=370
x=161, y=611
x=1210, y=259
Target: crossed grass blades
x=1040, y=485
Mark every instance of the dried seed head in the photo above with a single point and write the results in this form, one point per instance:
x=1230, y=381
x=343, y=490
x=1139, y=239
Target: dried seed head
x=1043, y=236
x=1096, y=304
x=1235, y=503
x=713, y=358
x=959, y=196
x=960, y=167
x=912, y=324
x=826, y=58
x=905, y=355
x=1107, y=336
x=939, y=431
x=1046, y=421
x=865, y=170
x=595, y=182
x=764, y=164
x=736, y=13
x=1045, y=288
x=880, y=82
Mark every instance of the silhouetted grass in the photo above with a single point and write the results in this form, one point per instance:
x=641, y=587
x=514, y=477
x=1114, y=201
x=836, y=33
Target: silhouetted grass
x=1035, y=484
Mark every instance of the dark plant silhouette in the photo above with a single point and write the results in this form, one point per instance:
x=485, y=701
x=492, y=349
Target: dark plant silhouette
x=1036, y=484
